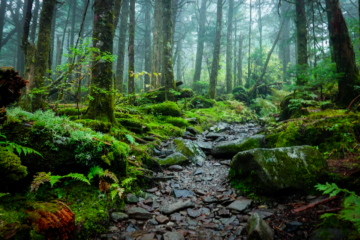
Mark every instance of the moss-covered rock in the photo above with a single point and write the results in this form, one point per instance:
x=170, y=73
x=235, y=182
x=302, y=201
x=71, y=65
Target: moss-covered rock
x=165, y=109
x=10, y=166
x=133, y=124
x=191, y=150
x=173, y=159
x=186, y=93
x=201, y=102
x=268, y=170
x=96, y=125
x=231, y=148
x=177, y=121
x=240, y=94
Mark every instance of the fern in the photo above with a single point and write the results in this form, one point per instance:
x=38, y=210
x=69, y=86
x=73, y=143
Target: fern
x=95, y=171
x=11, y=146
x=4, y=194
x=116, y=190
x=111, y=175
x=41, y=178
x=78, y=176
x=130, y=138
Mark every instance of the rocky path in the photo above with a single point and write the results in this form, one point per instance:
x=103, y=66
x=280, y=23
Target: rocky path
x=196, y=201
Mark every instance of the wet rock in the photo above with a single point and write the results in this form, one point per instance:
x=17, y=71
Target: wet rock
x=209, y=199
x=119, y=216
x=197, y=172
x=191, y=120
x=182, y=193
x=139, y=213
x=149, y=236
x=239, y=230
x=334, y=234
x=293, y=226
x=173, y=159
x=152, y=222
x=240, y=204
x=191, y=130
x=212, y=136
x=220, y=139
x=152, y=190
x=264, y=213
x=131, y=198
x=131, y=228
x=227, y=221
x=174, y=207
x=280, y=168
x=205, y=145
x=226, y=162
x=162, y=219
x=231, y=148
x=175, y=168
x=200, y=192
x=224, y=212
x=258, y=229
x=220, y=127
x=191, y=150
x=194, y=212
x=173, y=236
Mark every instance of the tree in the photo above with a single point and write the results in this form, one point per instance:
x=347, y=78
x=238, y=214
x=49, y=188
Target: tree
x=248, y=82
x=216, y=55
x=241, y=39
x=157, y=45
x=42, y=52
x=101, y=105
x=229, y=47
x=200, y=41
x=131, y=53
x=34, y=22
x=117, y=12
x=284, y=41
x=2, y=19
x=168, y=51
x=147, y=36
x=301, y=40
x=24, y=41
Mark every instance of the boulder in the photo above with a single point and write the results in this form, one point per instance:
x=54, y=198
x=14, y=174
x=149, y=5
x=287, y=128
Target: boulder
x=173, y=159
x=231, y=148
x=119, y=216
x=258, y=229
x=139, y=213
x=191, y=150
x=268, y=170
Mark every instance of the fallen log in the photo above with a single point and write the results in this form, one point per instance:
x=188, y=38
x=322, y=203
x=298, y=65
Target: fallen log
x=313, y=204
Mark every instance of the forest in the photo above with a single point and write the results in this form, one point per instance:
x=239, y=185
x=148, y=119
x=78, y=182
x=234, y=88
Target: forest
x=179, y=119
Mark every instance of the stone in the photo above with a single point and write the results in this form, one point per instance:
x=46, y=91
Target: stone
x=131, y=198
x=149, y=236
x=118, y=216
x=152, y=222
x=258, y=229
x=197, y=172
x=293, y=226
x=174, y=207
x=264, y=213
x=152, y=190
x=220, y=127
x=191, y=130
x=231, y=148
x=173, y=236
x=191, y=120
x=162, y=219
x=205, y=145
x=190, y=150
x=226, y=162
x=213, y=136
x=240, y=205
x=173, y=159
x=182, y=193
x=175, y=168
x=239, y=230
x=273, y=169
x=194, y=212
x=227, y=221
x=224, y=212
x=139, y=213
x=209, y=199
x=131, y=228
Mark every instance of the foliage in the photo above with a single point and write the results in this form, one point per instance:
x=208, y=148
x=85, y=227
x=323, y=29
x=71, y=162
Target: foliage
x=263, y=107
x=11, y=146
x=3, y=194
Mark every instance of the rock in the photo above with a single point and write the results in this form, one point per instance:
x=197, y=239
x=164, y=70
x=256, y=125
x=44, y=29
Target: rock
x=209, y=199
x=190, y=150
x=201, y=102
x=182, y=193
x=131, y=228
x=152, y=190
x=226, y=162
x=194, y=212
x=173, y=236
x=152, y=222
x=191, y=130
x=197, y=172
x=220, y=127
x=205, y=145
x=174, y=207
x=240, y=205
x=173, y=159
x=231, y=148
x=224, y=212
x=175, y=168
x=162, y=219
x=131, y=198
x=119, y=216
x=258, y=229
x=191, y=120
x=279, y=168
x=227, y=221
x=139, y=213
x=220, y=139
x=149, y=236
x=239, y=230
x=293, y=226
x=214, y=136
x=264, y=213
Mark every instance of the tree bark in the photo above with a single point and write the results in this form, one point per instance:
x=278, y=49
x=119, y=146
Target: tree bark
x=73, y=21
x=229, y=47
x=240, y=82
x=200, y=42
x=35, y=20
x=216, y=55
x=235, y=57
x=131, y=49
x=301, y=40
x=147, y=36
x=260, y=33
x=25, y=41
x=248, y=82
x=52, y=46
x=284, y=40
x=42, y=52
x=168, y=51
x=102, y=104
x=121, y=46
x=117, y=12
x=157, y=45
x=344, y=54
x=2, y=20
x=329, y=14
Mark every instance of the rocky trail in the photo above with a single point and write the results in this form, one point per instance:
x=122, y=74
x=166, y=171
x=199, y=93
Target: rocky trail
x=196, y=200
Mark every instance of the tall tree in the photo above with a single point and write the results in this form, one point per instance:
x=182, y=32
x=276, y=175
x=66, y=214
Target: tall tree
x=42, y=51
x=102, y=104
x=2, y=19
x=284, y=40
x=157, y=44
x=301, y=40
x=241, y=39
x=229, y=47
x=168, y=51
x=248, y=82
x=216, y=55
x=73, y=21
x=121, y=45
x=35, y=20
x=260, y=32
x=117, y=12
x=25, y=41
x=131, y=49
x=200, y=41
x=147, y=38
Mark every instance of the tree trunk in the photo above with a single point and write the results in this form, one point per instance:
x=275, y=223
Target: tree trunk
x=42, y=52
x=216, y=55
x=301, y=40
x=174, y=16
x=284, y=40
x=102, y=104
x=344, y=54
x=52, y=46
x=200, y=42
x=179, y=61
x=25, y=41
x=157, y=45
x=235, y=57
x=241, y=39
x=248, y=82
x=147, y=37
x=117, y=12
x=35, y=20
x=229, y=47
x=73, y=21
x=2, y=20
x=121, y=46
x=260, y=33
x=131, y=49
x=329, y=14
x=168, y=51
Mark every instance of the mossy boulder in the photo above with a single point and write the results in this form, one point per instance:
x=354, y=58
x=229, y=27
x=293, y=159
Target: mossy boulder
x=177, y=121
x=191, y=150
x=96, y=125
x=10, y=166
x=133, y=124
x=186, y=93
x=165, y=109
x=269, y=170
x=201, y=102
x=231, y=148
x=173, y=159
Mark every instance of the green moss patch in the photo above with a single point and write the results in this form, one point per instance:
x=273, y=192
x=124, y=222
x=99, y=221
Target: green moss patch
x=164, y=109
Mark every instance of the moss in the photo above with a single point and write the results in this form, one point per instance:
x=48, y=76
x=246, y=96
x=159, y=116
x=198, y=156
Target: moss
x=71, y=111
x=96, y=125
x=134, y=125
x=165, y=109
x=186, y=93
x=176, y=121
x=173, y=159
x=201, y=102
x=231, y=148
x=10, y=166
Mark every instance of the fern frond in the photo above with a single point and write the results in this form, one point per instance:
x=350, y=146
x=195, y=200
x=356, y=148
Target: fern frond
x=111, y=175
x=130, y=138
x=116, y=190
x=4, y=194
x=79, y=177
x=54, y=179
x=95, y=171
x=41, y=178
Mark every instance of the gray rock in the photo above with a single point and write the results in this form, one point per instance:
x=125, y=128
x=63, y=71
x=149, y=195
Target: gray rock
x=213, y=136
x=226, y=162
x=264, y=213
x=119, y=216
x=175, y=168
x=231, y=148
x=205, y=145
x=174, y=207
x=191, y=130
x=240, y=205
x=220, y=127
x=182, y=193
x=162, y=219
x=139, y=213
x=191, y=120
x=173, y=236
x=258, y=229
x=334, y=232
x=194, y=212
x=173, y=159
x=227, y=221
x=273, y=169
x=131, y=198
x=209, y=199
x=190, y=150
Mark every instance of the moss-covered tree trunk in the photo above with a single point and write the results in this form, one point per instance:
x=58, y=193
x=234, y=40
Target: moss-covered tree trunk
x=301, y=41
x=168, y=51
x=329, y=15
x=42, y=52
x=101, y=106
x=216, y=55
x=117, y=10
x=121, y=45
x=25, y=36
x=200, y=42
x=147, y=37
x=131, y=52
x=229, y=47
x=35, y=20
x=344, y=54
x=157, y=45
x=240, y=73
